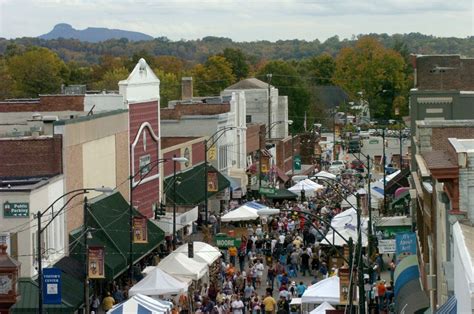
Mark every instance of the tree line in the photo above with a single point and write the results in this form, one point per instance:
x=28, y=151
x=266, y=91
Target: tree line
x=382, y=73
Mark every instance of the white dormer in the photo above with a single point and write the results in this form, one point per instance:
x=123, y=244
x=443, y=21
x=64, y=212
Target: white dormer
x=142, y=85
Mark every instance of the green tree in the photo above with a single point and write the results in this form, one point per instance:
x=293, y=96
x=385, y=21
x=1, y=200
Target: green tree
x=7, y=84
x=319, y=69
x=289, y=83
x=212, y=77
x=371, y=68
x=169, y=87
x=37, y=71
x=238, y=61
x=79, y=74
x=111, y=78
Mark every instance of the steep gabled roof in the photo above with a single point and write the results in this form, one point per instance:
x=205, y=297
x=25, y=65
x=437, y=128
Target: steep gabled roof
x=250, y=83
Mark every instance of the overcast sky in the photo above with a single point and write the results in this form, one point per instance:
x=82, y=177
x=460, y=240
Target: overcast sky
x=243, y=20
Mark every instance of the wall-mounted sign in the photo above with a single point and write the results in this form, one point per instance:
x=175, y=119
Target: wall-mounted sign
x=223, y=241
x=96, y=267
x=297, y=162
x=405, y=245
x=212, y=153
x=386, y=246
x=267, y=190
x=51, y=286
x=16, y=210
x=140, y=230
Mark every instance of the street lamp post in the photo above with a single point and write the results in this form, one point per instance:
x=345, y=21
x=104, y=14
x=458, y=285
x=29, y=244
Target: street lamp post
x=175, y=160
x=207, y=147
x=384, y=162
x=41, y=228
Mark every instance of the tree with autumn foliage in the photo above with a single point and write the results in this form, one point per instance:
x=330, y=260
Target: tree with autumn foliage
x=213, y=76
x=378, y=72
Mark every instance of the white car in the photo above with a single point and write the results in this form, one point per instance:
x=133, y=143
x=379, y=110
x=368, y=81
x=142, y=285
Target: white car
x=336, y=167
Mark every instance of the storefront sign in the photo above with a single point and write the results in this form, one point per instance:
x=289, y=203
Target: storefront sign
x=51, y=286
x=405, y=245
x=386, y=246
x=267, y=190
x=373, y=141
x=140, y=230
x=212, y=181
x=16, y=210
x=265, y=164
x=224, y=241
x=96, y=259
x=212, y=153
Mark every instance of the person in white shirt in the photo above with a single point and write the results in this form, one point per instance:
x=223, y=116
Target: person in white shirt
x=237, y=306
x=282, y=238
x=259, y=268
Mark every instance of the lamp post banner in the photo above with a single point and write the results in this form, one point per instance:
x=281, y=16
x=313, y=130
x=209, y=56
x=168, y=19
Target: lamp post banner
x=212, y=182
x=140, y=230
x=51, y=286
x=96, y=267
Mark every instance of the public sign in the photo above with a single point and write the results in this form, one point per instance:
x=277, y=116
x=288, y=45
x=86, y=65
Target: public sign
x=386, y=246
x=212, y=153
x=373, y=141
x=223, y=241
x=140, y=230
x=16, y=210
x=344, y=285
x=51, y=286
x=267, y=190
x=212, y=181
x=297, y=162
x=96, y=259
x=405, y=245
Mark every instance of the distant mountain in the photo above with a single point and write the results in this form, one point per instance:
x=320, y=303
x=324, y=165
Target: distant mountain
x=92, y=34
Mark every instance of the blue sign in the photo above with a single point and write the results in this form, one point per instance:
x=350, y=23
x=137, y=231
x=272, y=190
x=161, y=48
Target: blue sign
x=405, y=244
x=51, y=286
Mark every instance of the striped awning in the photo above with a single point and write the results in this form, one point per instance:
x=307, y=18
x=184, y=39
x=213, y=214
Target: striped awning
x=450, y=307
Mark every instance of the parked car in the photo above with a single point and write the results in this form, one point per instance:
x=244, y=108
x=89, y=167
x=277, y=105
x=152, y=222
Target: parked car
x=336, y=167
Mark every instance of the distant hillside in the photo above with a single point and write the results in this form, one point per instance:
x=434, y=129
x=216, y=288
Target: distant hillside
x=197, y=51
x=93, y=34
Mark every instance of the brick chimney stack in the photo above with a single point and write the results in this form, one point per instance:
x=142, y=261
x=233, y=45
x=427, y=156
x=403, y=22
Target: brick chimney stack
x=186, y=88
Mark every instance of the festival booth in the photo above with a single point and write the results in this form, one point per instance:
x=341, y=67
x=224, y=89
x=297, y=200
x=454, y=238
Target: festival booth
x=350, y=201
x=309, y=187
x=159, y=283
x=177, y=264
x=346, y=224
x=242, y=213
x=325, y=174
x=327, y=290
x=322, y=308
x=142, y=304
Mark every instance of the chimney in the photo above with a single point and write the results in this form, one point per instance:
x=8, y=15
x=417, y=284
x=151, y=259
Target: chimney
x=186, y=88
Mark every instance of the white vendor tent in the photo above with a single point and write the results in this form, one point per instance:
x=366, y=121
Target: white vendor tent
x=350, y=201
x=142, y=304
x=157, y=282
x=177, y=264
x=327, y=290
x=346, y=225
x=203, y=252
x=322, y=308
x=390, y=176
x=247, y=211
x=325, y=174
x=308, y=186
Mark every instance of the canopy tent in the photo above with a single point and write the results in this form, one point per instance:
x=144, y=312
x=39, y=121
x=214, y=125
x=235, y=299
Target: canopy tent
x=346, y=225
x=142, y=304
x=183, y=266
x=282, y=194
x=203, y=252
x=247, y=211
x=157, y=282
x=306, y=185
x=390, y=176
x=322, y=308
x=326, y=290
x=349, y=201
x=325, y=174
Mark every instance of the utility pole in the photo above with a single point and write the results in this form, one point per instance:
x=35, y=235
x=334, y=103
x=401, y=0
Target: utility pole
x=269, y=79
x=360, y=266
x=401, y=150
x=174, y=203
x=369, y=203
x=351, y=267
x=206, y=213
x=86, y=259
x=40, y=267
x=384, y=173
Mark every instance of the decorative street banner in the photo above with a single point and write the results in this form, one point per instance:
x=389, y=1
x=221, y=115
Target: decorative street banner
x=267, y=190
x=96, y=262
x=386, y=246
x=16, y=210
x=212, y=181
x=405, y=244
x=51, y=286
x=344, y=282
x=297, y=162
x=265, y=164
x=212, y=153
x=140, y=230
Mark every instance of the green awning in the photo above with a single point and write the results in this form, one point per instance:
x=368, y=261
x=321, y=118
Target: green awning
x=72, y=293
x=282, y=194
x=190, y=189
x=109, y=218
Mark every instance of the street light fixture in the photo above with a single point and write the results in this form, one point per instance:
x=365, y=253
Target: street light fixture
x=175, y=160
x=41, y=229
